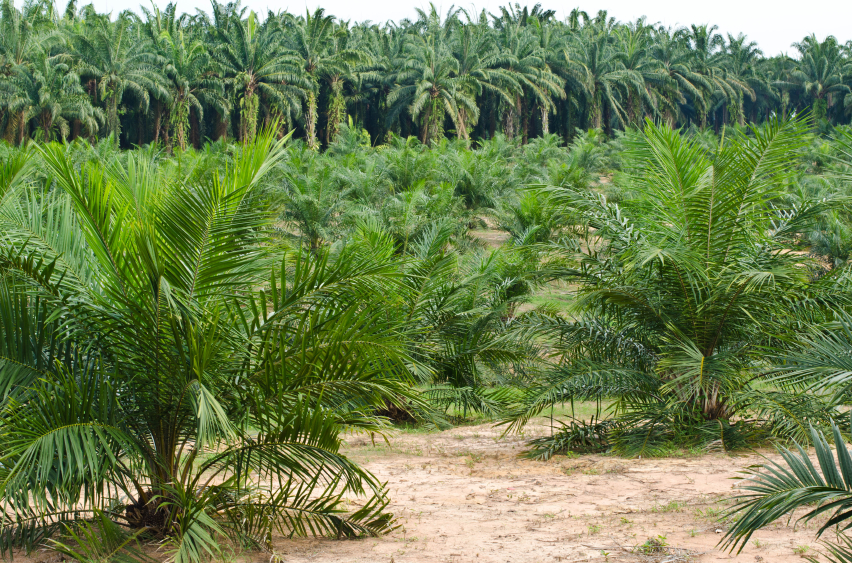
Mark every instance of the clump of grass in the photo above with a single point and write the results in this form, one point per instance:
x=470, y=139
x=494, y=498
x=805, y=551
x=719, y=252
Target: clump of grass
x=671, y=506
x=653, y=546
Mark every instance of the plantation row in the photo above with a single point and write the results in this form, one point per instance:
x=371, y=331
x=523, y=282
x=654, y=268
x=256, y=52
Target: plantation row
x=185, y=337
x=183, y=79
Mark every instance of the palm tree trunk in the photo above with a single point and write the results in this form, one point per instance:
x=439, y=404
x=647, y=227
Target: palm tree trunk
x=509, y=122
x=222, y=128
x=424, y=125
x=194, y=133
x=545, y=121
x=596, y=115
x=11, y=128
x=112, y=117
x=336, y=111
x=492, y=123
x=462, y=132
x=46, y=125
x=311, y=121
x=158, y=119
x=22, y=127
x=250, y=105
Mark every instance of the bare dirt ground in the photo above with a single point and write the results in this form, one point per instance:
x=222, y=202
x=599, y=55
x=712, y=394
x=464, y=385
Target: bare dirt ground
x=463, y=496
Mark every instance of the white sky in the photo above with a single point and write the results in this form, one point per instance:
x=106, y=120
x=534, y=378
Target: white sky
x=773, y=24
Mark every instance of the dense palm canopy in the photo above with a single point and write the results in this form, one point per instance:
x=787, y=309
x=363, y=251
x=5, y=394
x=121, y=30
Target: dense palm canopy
x=520, y=71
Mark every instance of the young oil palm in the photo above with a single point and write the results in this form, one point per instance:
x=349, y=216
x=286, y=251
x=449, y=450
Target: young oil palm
x=678, y=286
x=158, y=377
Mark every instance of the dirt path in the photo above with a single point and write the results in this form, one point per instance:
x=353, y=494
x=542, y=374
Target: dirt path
x=463, y=496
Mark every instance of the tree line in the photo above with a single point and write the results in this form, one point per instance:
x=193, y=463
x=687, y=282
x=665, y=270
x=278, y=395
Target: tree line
x=183, y=79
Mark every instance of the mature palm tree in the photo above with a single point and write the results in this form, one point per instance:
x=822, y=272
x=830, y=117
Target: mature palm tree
x=821, y=74
x=252, y=57
x=48, y=91
x=741, y=64
x=319, y=46
x=635, y=41
x=189, y=68
x=594, y=63
x=672, y=53
x=707, y=54
x=430, y=89
x=524, y=59
x=480, y=68
x=168, y=393
x=24, y=35
x=110, y=55
x=193, y=85
x=553, y=41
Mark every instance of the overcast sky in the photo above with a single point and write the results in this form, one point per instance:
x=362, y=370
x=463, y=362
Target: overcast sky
x=773, y=24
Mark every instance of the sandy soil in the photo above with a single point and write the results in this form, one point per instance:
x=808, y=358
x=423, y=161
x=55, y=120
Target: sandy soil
x=464, y=496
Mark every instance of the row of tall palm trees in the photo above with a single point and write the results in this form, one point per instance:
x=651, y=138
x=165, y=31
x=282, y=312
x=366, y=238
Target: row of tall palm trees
x=181, y=79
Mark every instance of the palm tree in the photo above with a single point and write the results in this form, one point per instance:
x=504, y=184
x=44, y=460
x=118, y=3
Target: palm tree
x=193, y=85
x=821, y=74
x=312, y=199
x=480, y=69
x=706, y=47
x=189, y=69
x=49, y=91
x=777, y=489
x=430, y=89
x=672, y=53
x=635, y=41
x=676, y=294
x=524, y=59
x=252, y=57
x=741, y=64
x=110, y=55
x=23, y=36
x=594, y=63
x=319, y=45
x=177, y=389
x=25, y=33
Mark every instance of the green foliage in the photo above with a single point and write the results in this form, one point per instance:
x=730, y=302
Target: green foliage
x=776, y=489
x=680, y=288
x=178, y=79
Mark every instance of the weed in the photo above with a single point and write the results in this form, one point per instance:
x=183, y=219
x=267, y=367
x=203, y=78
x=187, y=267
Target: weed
x=594, y=529
x=801, y=550
x=671, y=506
x=653, y=546
x=710, y=513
